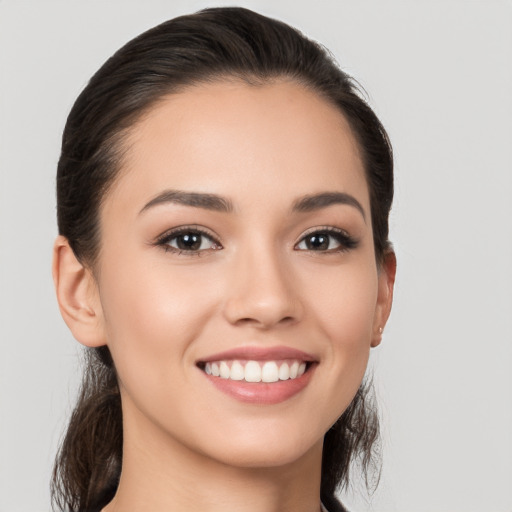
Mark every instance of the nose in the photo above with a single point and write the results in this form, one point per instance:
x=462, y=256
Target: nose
x=262, y=292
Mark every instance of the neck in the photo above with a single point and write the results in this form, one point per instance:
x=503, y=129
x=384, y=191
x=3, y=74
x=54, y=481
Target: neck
x=160, y=474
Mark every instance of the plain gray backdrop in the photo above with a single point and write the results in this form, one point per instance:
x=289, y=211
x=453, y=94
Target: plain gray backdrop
x=439, y=74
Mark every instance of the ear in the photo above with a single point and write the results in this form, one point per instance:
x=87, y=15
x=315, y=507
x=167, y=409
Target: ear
x=77, y=295
x=386, y=283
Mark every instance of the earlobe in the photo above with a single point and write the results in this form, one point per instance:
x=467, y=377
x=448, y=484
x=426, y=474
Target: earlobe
x=386, y=284
x=77, y=295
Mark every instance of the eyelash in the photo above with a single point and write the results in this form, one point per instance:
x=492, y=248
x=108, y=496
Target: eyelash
x=345, y=241
x=165, y=239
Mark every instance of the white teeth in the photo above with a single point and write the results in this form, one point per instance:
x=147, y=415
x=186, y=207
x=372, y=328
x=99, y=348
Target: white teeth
x=284, y=372
x=252, y=372
x=237, y=371
x=224, y=370
x=270, y=372
x=256, y=371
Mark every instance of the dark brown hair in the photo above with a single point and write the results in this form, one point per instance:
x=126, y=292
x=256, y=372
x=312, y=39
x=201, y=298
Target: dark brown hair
x=204, y=47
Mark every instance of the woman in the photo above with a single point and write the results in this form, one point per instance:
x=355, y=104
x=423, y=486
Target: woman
x=223, y=199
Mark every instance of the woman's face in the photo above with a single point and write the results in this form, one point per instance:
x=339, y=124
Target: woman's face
x=238, y=240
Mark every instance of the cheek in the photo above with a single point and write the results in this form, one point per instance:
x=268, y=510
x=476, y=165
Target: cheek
x=344, y=302
x=152, y=314
x=344, y=306
x=152, y=318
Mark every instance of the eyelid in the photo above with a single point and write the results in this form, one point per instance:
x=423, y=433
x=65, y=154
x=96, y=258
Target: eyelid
x=164, y=238
x=325, y=229
x=345, y=240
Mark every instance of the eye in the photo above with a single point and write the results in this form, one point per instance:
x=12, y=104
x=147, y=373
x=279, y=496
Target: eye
x=188, y=240
x=327, y=240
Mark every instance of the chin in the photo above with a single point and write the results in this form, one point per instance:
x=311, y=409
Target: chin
x=258, y=458
x=263, y=446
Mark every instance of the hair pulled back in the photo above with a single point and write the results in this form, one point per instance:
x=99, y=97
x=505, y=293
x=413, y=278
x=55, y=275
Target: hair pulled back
x=204, y=47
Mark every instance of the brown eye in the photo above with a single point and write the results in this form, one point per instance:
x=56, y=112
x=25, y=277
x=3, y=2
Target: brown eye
x=326, y=241
x=317, y=242
x=189, y=240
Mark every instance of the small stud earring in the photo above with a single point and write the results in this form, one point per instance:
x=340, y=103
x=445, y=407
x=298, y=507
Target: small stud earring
x=380, y=330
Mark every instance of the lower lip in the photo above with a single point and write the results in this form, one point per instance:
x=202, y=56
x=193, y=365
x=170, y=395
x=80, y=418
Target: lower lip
x=262, y=392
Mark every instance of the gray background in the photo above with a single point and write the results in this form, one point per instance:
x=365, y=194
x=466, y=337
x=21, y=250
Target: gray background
x=439, y=74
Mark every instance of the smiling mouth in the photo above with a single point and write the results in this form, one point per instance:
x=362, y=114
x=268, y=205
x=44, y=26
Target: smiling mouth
x=254, y=371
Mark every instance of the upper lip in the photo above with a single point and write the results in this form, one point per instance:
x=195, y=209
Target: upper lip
x=260, y=354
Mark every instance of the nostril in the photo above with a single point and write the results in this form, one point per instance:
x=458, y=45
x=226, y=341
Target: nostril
x=262, y=308
x=247, y=320
x=264, y=322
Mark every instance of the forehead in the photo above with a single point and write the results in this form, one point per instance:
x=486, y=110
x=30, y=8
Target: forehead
x=243, y=140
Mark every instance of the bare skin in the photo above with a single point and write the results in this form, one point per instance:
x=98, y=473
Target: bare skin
x=269, y=269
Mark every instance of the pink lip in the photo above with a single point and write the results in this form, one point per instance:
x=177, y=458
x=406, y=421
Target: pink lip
x=260, y=354
x=261, y=392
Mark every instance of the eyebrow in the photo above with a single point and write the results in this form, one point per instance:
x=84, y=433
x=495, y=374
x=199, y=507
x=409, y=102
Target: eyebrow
x=195, y=199
x=218, y=203
x=324, y=199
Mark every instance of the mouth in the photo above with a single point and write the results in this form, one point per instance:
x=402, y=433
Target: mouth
x=259, y=375
x=256, y=371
